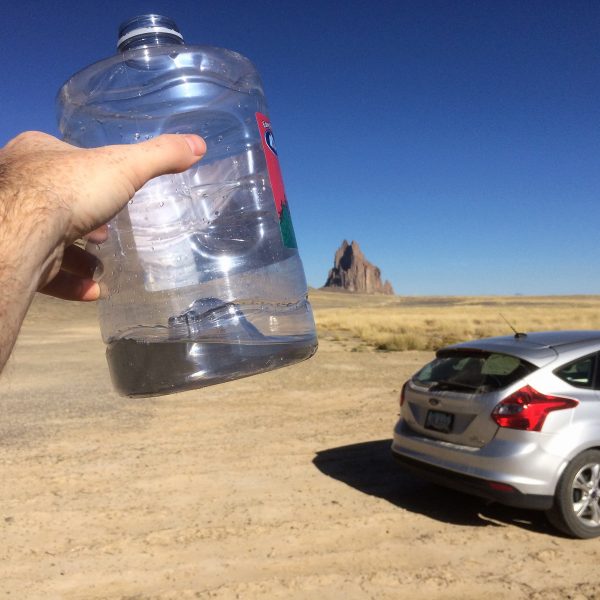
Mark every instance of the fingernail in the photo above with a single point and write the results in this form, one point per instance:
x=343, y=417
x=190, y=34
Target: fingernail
x=99, y=270
x=196, y=144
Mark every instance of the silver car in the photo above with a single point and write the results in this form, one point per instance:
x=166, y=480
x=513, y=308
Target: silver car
x=513, y=419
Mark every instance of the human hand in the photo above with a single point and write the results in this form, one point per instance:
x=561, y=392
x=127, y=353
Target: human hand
x=52, y=193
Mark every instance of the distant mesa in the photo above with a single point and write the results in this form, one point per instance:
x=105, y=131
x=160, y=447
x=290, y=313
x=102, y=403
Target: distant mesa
x=352, y=272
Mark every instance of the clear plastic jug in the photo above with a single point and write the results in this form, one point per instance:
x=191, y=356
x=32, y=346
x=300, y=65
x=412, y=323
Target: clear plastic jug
x=201, y=278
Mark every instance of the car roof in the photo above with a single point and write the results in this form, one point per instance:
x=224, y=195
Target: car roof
x=538, y=348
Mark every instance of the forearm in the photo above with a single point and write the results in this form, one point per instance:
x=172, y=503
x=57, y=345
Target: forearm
x=29, y=247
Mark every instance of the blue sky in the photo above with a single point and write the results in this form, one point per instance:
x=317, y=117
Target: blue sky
x=457, y=142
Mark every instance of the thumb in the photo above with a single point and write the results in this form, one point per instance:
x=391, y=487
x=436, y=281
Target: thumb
x=168, y=153
x=111, y=175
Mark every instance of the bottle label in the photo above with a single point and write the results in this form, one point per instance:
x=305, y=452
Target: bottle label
x=281, y=203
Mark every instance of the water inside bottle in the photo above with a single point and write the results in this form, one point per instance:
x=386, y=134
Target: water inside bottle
x=180, y=366
x=212, y=342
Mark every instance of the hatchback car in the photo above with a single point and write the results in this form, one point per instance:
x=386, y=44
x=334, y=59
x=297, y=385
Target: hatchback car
x=513, y=419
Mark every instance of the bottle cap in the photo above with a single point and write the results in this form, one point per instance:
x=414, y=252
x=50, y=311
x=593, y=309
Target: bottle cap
x=147, y=26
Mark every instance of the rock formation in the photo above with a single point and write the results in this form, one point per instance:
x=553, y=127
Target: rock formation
x=354, y=273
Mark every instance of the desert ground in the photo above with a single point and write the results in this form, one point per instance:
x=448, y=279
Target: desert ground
x=275, y=486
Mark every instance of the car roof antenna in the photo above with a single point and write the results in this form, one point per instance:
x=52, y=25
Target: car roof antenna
x=518, y=334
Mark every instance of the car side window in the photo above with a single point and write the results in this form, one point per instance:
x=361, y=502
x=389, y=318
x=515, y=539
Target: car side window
x=579, y=373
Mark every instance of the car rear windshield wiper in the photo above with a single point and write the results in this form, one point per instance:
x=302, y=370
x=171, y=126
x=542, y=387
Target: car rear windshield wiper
x=453, y=385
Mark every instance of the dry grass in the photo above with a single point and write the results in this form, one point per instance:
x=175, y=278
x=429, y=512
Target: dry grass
x=427, y=323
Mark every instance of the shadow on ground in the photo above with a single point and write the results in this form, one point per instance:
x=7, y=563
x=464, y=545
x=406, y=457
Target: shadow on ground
x=370, y=468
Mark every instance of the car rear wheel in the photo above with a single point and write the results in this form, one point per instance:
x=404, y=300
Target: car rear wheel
x=576, y=509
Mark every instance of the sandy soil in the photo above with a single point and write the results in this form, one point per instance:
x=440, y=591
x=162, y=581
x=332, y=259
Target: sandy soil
x=278, y=486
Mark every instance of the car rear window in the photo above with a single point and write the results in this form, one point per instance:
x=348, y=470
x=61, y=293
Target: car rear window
x=469, y=371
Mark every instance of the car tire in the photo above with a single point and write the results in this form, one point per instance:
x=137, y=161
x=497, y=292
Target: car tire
x=576, y=509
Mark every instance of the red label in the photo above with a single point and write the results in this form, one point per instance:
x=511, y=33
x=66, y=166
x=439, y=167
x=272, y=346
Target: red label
x=281, y=204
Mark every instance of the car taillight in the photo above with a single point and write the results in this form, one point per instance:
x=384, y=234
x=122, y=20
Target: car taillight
x=527, y=409
x=403, y=393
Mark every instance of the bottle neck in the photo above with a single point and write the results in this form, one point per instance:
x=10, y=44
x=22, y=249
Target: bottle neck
x=148, y=30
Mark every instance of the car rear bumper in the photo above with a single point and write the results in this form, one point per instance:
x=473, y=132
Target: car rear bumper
x=490, y=490
x=515, y=467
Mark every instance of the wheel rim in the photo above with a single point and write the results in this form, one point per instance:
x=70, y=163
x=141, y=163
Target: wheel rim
x=586, y=495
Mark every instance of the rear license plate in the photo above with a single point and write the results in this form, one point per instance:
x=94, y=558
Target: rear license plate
x=439, y=421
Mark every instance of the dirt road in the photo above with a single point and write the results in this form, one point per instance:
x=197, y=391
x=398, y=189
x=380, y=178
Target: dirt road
x=278, y=486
